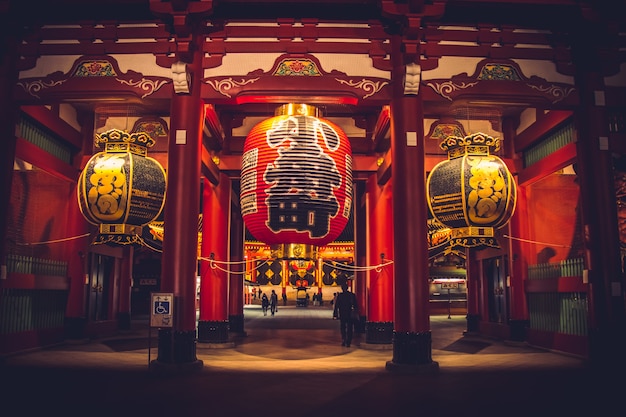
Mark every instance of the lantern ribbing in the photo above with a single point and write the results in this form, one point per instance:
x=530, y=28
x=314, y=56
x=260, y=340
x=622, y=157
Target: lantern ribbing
x=296, y=181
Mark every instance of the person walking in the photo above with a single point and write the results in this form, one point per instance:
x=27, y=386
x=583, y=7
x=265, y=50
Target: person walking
x=265, y=303
x=273, y=302
x=345, y=306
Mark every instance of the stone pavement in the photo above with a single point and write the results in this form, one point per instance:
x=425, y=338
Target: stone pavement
x=292, y=364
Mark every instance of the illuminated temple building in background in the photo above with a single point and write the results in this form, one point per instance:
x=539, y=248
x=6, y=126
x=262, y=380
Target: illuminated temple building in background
x=439, y=156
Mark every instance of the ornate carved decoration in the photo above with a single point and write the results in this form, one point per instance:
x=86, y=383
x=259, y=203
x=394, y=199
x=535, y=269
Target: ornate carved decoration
x=180, y=78
x=499, y=72
x=34, y=87
x=369, y=86
x=156, y=128
x=412, y=79
x=226, y=84
x=441, y=130
x=297, y=67
x=145, y=84
x=296, y=74
x=77, y=82
x=445, y=88
x=557, y=92
x=486, y=82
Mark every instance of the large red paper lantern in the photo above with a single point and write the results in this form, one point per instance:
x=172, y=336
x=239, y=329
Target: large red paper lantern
x=296, y=181
x=121, y=189
x=472, y=192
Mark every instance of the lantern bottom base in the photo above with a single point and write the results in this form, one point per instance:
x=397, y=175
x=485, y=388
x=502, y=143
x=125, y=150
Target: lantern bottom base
x=294, y=251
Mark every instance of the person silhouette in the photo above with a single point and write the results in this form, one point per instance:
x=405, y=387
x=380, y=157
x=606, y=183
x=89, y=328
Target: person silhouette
x=265, y=302
x=273, y=302
x=345, y=304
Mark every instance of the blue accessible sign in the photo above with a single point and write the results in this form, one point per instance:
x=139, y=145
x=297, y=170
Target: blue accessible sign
x=161, y=312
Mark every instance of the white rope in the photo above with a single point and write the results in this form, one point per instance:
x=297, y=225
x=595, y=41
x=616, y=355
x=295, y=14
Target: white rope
x=355, y=268
x=214, y=264
x=54, y=241
x=536, y=241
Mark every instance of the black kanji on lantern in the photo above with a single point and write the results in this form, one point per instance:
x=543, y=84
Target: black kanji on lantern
x=303, y=176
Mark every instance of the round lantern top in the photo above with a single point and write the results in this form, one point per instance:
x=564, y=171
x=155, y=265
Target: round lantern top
x=475, y=144
x=115, y=140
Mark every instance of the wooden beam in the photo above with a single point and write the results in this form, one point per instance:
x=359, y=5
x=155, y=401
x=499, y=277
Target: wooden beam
x=540, y=128
x=210, y=171
x=213, y=128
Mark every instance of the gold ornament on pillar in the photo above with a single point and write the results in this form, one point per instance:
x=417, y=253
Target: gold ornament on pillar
x=472, y=192
x=121, y=189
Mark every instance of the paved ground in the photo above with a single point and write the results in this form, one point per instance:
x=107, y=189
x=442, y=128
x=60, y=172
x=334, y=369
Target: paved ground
x=292, y=364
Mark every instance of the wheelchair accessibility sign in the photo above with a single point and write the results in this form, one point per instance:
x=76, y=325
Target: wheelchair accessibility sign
x=161, y=311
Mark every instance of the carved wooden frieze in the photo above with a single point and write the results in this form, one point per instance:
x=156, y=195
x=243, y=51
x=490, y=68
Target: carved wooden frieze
x=92, y=77
x=502, y=80
x=295, y=75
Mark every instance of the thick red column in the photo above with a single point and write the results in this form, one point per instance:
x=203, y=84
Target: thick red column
x=518, y=260
x=177, y=345
x=213, y=324
x=473, y=274
x=126, y=282
x=237, y=270
x=8, y=109
x=380, y=250
x=412, y=342
x=607, y=337
x=360, y=249
x=76, y=255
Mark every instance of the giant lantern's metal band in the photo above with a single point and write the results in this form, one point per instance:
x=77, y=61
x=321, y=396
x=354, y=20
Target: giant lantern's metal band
x=293, y=109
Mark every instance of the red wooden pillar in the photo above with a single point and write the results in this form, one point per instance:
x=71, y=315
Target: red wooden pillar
x=8, y=109
x=607, y=338
x=518, y=259
x=360, y=249
x=126, y=282
x=412, y=340
x=177, y=345
x=213, y=324
x=473, y=274
x=380, y=249
x=236, y=287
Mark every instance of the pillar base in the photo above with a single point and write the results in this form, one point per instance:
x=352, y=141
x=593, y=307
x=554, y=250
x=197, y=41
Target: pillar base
x=176, y=368
x=429, y=368
x=123, y=321
x=359, y=326
x=75, y=328
x=235, y=324
x=412, y=352
x=379, y=332
x=518, y=329
x=213, y=331
x=177, y=348
x=472, y=323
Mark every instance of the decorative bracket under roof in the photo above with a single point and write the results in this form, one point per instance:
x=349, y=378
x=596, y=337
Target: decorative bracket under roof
x=294, y=77
x=78, y=83
x=486, y=84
